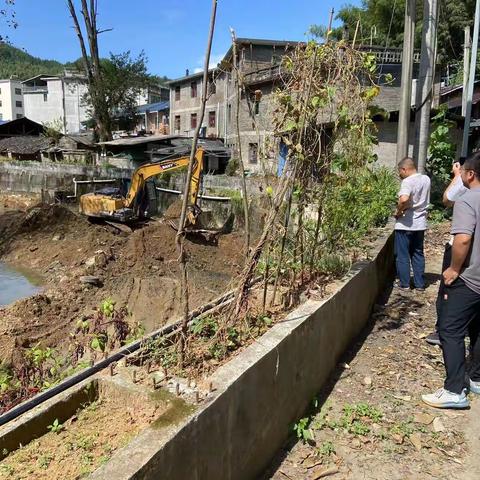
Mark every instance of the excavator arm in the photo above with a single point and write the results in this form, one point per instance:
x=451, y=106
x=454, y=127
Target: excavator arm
x=95, y=205
x=144, y=172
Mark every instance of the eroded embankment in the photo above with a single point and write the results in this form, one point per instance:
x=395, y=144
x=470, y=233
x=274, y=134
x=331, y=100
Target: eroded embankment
x=138, y=270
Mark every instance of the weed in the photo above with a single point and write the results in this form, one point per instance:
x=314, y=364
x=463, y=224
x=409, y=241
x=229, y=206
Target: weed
x=326, y=449
x=44, y=461
x=56, y=426
x=303, y=430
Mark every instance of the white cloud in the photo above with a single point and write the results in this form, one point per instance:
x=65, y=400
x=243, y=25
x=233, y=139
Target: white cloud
x=215, y=59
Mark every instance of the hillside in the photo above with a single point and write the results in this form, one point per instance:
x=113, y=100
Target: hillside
x=14, y=61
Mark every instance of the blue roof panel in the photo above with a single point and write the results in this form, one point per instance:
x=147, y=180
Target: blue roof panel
x=154, y=107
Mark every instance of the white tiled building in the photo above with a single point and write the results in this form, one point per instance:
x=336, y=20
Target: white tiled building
x=11, y=100
x=57, y=99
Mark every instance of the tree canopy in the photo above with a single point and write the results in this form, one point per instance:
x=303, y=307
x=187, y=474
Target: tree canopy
x=382, y=21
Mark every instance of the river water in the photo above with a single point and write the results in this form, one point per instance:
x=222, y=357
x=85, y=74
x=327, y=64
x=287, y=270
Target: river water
x=15, y=284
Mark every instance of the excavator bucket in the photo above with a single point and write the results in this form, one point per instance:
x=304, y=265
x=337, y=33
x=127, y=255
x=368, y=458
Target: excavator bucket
x=208, y=224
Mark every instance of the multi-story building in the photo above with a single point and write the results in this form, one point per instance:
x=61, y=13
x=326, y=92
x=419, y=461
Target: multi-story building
x=259, y=64
x=59, y=99
x=11, y=100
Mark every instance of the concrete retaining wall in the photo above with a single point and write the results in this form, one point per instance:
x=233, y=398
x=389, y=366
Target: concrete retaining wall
x=45, y=178
x=260, y=392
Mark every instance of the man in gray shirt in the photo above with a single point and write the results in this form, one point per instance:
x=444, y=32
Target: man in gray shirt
x=461, y=309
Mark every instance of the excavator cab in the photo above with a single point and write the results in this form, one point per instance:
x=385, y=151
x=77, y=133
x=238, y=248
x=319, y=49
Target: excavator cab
x=111, y=205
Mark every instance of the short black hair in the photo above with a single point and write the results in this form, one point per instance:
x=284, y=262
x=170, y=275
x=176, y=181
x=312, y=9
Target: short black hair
x=473, y=163
x=407, y=162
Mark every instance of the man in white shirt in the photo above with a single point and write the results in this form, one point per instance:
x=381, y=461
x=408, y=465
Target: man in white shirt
x=411, y=215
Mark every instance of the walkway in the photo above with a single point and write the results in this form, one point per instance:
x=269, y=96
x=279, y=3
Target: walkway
x=369, y=422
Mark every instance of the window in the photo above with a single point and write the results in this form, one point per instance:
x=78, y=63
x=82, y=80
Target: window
x=19, y=115
x=18, y=91
x=212, y=87
x=177, y=122
x=193, y=120
x=45, y=97
x=18, y=104
x=1, y=103
x=229, y=112
x=212, y=119
x=193, y=90
x=1, y=116
x=177, y=93
x=253, y=153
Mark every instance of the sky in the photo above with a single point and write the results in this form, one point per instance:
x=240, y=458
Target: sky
x=173, y=33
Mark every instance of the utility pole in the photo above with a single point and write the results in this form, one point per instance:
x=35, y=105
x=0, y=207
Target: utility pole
x=471, y=82
x=406, y=82
x=466, y=67
x=424, y=94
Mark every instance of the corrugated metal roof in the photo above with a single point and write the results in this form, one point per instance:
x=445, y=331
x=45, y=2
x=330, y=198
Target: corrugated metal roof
x=131, y=141
x=154, y=107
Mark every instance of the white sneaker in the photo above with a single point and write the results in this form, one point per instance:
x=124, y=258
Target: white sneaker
x=444, y=399
x=475, y=387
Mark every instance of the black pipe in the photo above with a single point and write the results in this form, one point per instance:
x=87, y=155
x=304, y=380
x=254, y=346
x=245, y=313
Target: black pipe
x=88, y=372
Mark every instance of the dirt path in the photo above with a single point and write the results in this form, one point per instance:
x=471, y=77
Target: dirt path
x=369, y=422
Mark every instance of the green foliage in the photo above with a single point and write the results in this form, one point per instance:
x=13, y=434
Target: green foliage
x=53, y=129
x=326, y=449
x=56, y=426
x=382, y=25
x=232, y=167
x=442, y=154
x=17, y=63
x=441, y=149
x=333, y=264
x=303, y=431
x=357, y=201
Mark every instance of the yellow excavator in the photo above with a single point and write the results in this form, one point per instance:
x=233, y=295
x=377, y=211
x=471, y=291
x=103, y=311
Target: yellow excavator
x=114, y=207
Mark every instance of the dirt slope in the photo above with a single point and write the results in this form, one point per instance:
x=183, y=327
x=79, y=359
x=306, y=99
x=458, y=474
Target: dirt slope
x=137, y=269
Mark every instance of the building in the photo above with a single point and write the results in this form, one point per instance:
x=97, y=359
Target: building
x=259, y=63
x=185, y=99
x=52, y=99
x=153, y=94
x=153, y=118
x=11, y=100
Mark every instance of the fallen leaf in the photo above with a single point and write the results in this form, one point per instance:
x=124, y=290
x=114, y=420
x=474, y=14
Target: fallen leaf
x=367, y=381
x=324, y=472
x=311, y=462
x=416, y=441
x=397, y=438
x=423, y=418
x=438, y=426
x=405, y=398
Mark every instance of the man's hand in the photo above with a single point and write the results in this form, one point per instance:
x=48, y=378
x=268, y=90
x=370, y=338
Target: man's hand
x=456, y=169
x=450, y=275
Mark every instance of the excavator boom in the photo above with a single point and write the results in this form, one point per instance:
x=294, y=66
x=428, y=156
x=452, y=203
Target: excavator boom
x=114, y=207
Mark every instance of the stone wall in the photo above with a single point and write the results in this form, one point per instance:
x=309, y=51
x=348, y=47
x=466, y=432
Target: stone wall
x=43, y=179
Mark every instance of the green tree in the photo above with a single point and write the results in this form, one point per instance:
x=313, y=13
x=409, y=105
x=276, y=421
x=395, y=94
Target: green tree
x=111, y=84
x=381, y=21
x=122, y=80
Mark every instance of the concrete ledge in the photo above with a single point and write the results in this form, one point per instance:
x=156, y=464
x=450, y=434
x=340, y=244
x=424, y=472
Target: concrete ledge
x=260, y=392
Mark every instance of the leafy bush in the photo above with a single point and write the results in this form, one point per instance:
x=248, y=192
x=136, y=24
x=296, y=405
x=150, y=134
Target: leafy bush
x=355, y=203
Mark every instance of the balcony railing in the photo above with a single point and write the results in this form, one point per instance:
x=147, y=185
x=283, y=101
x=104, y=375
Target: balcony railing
x=38, y=89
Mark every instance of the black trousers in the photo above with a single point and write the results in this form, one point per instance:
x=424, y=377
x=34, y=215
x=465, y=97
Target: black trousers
x=460, y=315
x=447, y=260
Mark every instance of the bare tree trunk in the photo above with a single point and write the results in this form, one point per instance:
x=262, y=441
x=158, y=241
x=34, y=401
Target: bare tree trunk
x=238, y=85
x=180, y=238
x=91, y=60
